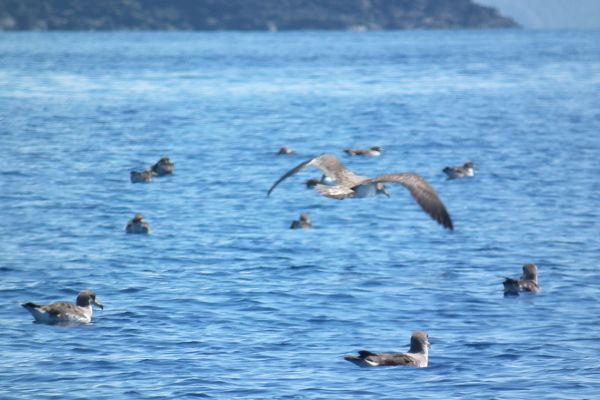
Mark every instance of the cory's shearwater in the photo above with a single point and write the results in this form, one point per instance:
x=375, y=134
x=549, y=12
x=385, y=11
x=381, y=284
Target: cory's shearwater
x=137, y=225
x=302, y=223
x=349, y=185
x=527, y=283
x=80, y=312
x=374, y=151
x=417, y=356
x=163, y=167
x=460, y=172
x=285, y=151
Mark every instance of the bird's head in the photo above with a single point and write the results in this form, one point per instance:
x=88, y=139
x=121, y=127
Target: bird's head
x=419, y=342
x=529, y=272
x=87, y=298
x=304, y=217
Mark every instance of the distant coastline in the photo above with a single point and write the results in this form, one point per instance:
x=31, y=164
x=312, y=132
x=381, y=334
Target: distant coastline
x=246, y=15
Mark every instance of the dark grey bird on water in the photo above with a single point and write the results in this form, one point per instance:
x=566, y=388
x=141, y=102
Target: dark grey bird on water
x=163, y=167
x=60, y=313
x=312, y=182
x=349, y=185
x=285, y=151
x=417, y=356
x=141, y=177
x=137, y=225
x=468, y=169
x=373, y=151
x=302, y=223
x=527, y=283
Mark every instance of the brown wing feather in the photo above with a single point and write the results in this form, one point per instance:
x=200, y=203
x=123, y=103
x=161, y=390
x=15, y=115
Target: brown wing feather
x=369, y=359
x=291, y=172
x=529, y=286
x=336, y=192
x=392, y=359
x=355, y=152
x=62, y=308
x=329, y=165
x=422, y=192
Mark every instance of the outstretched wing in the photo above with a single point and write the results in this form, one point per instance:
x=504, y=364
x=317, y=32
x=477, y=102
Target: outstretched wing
x=422, y=192
x=330, y=166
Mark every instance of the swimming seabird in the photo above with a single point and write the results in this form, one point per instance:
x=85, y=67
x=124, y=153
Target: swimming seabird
x=460, y=172
x=417, y=356
x=285, y=151
x=164, y=166
x=527, y=283
x=311, y=183
x=137, y=225
x=302, y=223
x=373, y=151
x=349, y=185
x=80, y=312
x=141, y=177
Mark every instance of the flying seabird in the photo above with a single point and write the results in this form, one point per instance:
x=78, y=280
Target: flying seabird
x=349, y=185
x=527, y=283
x=61, y=313
x=374, y=151
x=141, y=177
x=302, y=223
x=285, y=151
x=164, y=166
x=417, y=356
x=460, y=172
x=137, y=225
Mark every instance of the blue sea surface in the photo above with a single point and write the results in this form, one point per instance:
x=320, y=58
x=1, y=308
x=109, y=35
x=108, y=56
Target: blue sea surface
x=222, y=300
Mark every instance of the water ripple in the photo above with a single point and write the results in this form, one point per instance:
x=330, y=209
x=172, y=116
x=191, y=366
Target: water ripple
x=222, y=300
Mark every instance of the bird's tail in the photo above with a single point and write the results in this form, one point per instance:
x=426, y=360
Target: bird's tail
x=358, y=361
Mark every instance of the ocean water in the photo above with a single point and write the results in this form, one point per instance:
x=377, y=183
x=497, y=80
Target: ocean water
x=222, y=300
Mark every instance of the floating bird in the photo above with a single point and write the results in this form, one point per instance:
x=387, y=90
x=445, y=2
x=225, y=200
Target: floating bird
x=141, y=177
x=303, y=223
x=349, y=185
x=460, y=172
x=62, y=313
x=527, y=283
x=311, y=183
x=137, y=225
x=417, y=356
x=285, y=151
x=163, y=167
x=374, y=151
